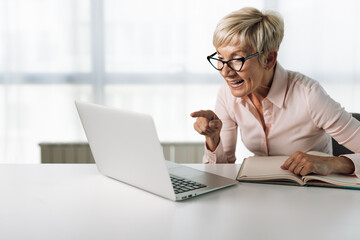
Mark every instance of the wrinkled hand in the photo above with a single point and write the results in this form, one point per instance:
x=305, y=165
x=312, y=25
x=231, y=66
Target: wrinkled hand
x=209, y=125
x=303, y=164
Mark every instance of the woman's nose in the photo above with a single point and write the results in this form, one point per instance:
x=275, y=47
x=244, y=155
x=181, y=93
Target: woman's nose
x=226, y=70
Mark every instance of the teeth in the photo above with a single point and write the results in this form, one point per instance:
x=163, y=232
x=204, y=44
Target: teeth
x=237, y=82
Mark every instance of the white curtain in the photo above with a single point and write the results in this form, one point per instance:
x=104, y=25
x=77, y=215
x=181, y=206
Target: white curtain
x=149, y=56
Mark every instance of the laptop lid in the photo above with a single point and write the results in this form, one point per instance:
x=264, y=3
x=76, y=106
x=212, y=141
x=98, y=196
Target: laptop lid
x=126, y=147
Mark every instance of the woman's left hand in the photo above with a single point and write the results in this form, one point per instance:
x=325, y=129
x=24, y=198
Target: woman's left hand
x=303, y=164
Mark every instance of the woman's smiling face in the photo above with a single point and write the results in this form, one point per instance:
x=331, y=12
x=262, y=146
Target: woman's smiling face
x=251, y=76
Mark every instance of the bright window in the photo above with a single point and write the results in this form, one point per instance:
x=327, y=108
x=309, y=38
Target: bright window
x=150, y=56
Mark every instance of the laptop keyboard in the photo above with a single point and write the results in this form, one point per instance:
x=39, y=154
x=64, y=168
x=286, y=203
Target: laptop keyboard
x=182, y=185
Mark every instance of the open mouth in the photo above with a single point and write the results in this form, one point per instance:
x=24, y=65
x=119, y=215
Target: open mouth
x=236, y=83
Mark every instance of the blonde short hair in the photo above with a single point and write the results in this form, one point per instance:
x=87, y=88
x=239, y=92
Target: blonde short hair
x=252, y=28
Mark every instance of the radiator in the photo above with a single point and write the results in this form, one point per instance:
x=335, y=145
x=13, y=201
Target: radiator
x=179, y=152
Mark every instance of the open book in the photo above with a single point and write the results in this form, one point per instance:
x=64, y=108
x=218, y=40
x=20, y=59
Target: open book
x=267, y=170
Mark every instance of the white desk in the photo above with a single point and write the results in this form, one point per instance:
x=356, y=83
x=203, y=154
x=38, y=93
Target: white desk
x=76, y=202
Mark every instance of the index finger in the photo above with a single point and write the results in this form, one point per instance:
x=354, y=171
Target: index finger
x=287, y=163
x=210, y=115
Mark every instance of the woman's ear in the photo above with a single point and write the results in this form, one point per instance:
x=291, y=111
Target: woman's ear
x=270, y=59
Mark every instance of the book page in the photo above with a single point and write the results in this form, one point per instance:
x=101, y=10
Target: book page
x=266, y=168
x=339, y=180
x=317, y=153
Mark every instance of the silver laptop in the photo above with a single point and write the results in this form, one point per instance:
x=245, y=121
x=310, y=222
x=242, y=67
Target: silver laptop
x=126, y=147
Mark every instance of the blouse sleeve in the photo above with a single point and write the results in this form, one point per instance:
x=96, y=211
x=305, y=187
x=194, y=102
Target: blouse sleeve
x=338, y=123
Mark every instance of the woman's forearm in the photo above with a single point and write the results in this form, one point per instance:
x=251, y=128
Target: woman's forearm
x=212, y=143
x=343, y=165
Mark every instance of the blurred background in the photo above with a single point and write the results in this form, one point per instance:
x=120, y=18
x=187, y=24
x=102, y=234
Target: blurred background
x=148, y=56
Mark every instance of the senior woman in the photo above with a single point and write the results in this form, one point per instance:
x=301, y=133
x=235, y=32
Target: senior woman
x=279, y=112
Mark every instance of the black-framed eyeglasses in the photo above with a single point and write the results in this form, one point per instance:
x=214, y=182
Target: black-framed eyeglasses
x=235, y=64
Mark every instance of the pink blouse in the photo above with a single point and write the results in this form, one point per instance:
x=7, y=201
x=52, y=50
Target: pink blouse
x=298, y=114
